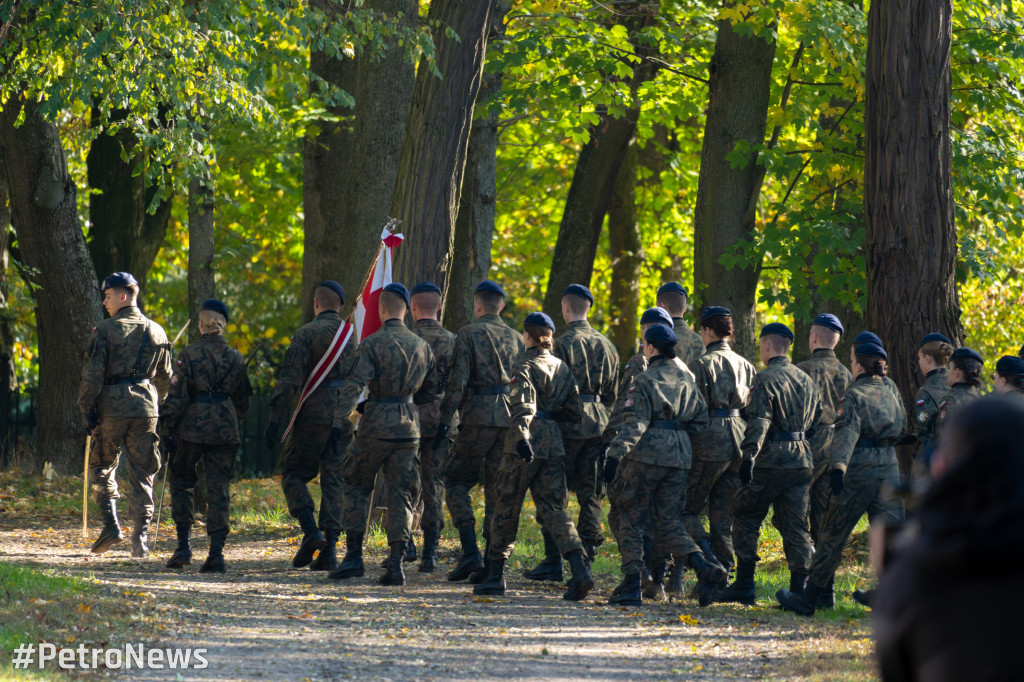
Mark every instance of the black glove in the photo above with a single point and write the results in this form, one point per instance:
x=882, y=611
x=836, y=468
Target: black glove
x=332, y=440
x=525, y=451
x=746, y=470
x=92, y=421
x=601, y=452
x=611, y=465
x=361, y=407
x=270, y=435
x=909, y=439
x=835, y=482
x=439, y=437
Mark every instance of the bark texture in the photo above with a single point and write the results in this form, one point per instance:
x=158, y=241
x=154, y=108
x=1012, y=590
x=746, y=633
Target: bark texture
x=8, y=377
x=200, y=252
x=627, y=257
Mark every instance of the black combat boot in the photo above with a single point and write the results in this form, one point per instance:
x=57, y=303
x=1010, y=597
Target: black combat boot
x=804, y=602
x=863, y=597
x=477, y=576
x=590, y=553
x=393, y=575
x=111, y=533
x=797, y=581
x=827, y=598
x=709, y=554
x=183, y=554
x=428, y=564
x=628, y=591
x=675, y=578
x=741, y=590
x=327, y=558
x=215, y=561
x=471, y=560
x=654, y=590
x=709, y=576
x=312, y=539
x=352, y=565
x=551, y=567
x=581, y=582
x=140, y=550
x=410, y=550
x=493, y=583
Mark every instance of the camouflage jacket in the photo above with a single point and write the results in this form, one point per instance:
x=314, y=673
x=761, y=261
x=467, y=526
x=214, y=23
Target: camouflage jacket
x=690, y=345
x=832, y=378
x=541, y=381
x=926, y=408
x=869, y=421
x=665, y=392
x=782, y=400
x=442, y=343
x=390, y=363
x=308, y=345
x=485, y=352
x=723, y=378
x=214, y=373
x=114, y=354
x=634, y=366
x=594, y=363
x=958, y=395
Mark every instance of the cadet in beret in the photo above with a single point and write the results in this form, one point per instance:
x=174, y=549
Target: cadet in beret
x=478, y=387
x=209, y=395
x=674, y=298
x=933, y=355
x=777, y=464
x=125, y=377
x=396, y=368
x=544, y=395
x=425, y=301
x=964, y=380
x=307, y=453
x=863, y=471
x=1009, y=377
x=871, y=337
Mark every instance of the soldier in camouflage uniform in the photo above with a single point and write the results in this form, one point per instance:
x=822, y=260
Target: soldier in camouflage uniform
x=306, y=453
x=870, y=420
x=543, y=396
x=964, y=380
x=478, y=387
x=871, y=337
x=426, y=303
x=674, y=298
x=784, y=406
x=125, y=377
x=932, y=357
x=209, y=395
x=1009, y=378
x=397, y=368
x=663, y=410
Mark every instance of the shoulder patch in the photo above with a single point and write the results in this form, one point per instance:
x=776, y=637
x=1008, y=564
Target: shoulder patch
x=842, y=399
x=174, y=379
x=629, y=402
x=179, y=362
x=922, y=417
x=632, y=388
x=839, y=412
x=921, y=401
x=514, y=380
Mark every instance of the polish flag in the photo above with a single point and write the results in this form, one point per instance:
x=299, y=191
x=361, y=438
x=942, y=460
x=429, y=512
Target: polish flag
x=367, y=312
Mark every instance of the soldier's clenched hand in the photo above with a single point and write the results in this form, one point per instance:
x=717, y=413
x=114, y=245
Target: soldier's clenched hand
x=610, y=467
x=525, y=451
x=835, y=482
x=747, y=470
x=270, y=435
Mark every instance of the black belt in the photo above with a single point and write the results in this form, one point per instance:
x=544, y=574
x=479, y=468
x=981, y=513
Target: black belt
x=875, y=442
x=545, y=414
x=590, y=398
x=724, y=413
x=334, y=383
x=406, y=399
x=115, y=381
x=487, y=390
x=787, y=436
x=210, y=398
x=666, y=424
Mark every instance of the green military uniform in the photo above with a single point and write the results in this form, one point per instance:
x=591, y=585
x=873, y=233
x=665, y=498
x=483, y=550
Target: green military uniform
x=690, y=345
x=956, y=397
x=634, y=366
x=926, y=409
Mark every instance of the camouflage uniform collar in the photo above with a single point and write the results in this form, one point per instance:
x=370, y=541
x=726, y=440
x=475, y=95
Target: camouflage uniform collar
x=935, y=371
x=579, y=324
x=393, y=322
x=824, y=353
x=213, y=338
x=872, y=378
x=127, y=311
x=721, y=344
x=679, y=319
x=537, y=350
x=328, y=313
x=490, y=318
x=659, y=358
x=427, y=322
x=779, y=359
x=962, y=383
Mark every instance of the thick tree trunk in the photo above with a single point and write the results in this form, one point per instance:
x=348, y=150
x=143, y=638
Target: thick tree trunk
x=739, y=87
x=8, y=377
x=626, y=253
x=52, y=245
x=433, y=158
x=200, y=251
x=910, y=243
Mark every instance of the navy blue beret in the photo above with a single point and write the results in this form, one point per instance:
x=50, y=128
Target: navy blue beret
x=398, y=289
x=490, y=287
x=216, y=306
x=673, y=287
x=830, y=321
x=714, y=311
x=967, y=353
x=871, y=350
x=660, y=333
x=778, y=329
x=540, y=320
x=656, y=316
x=1010, y=366
x=333, y=286
x=866, y=337
x=119, y=279
x=425, y=287
x=579, y=290
x=934, y=336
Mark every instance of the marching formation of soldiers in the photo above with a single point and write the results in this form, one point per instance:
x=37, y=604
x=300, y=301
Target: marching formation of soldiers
x=689, y=430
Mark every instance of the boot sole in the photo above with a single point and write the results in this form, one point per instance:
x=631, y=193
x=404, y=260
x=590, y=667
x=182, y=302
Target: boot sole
x=314, y=567
x=632, y=602
x=426, y=569
x=348, y=574
x=107, y=544
x=581, y=592
x=490, y=592
x=461, y=574
x=177, y=564
x=541, y=577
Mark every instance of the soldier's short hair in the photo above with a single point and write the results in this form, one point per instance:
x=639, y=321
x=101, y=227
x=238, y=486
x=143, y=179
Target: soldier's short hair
x=577, y=304
x=393, y=304
x=327, y=298
x=828, y=337
x=672, y=301
x=490, y=301
x=130, y=290
x=541, y=334
x=779, y=344
x=429, y=301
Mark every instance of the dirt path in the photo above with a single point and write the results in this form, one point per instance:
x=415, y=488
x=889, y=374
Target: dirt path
x=266, y=620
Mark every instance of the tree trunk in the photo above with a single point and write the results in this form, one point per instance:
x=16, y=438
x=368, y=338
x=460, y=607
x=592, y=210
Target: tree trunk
x=52, y=245
x=626, y=253
x=433, y=157
x=200, y=252
x=8, y=377
x=910, y=242
x=739, y=86
x=474, y=226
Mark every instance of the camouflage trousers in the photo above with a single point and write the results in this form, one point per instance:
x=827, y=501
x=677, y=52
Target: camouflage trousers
x=137, y=435
x=360, y=464
x=545, y=479
x=307, y=456
x=818, y=498
x=476, y=448
x=860, y=495
x=584, y=480
x=431, y=487
x=647, y=496
x=787, y=490
x=712, y=484
x=219, y=463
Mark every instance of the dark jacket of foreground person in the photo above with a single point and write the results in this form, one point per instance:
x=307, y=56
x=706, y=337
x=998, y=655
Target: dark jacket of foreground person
x=949, y=607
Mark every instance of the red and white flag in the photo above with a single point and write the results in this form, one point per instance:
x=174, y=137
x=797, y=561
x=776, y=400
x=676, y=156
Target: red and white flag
x=367, y=312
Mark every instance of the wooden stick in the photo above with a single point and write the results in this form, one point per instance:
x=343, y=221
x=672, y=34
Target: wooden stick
x=85, y=488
